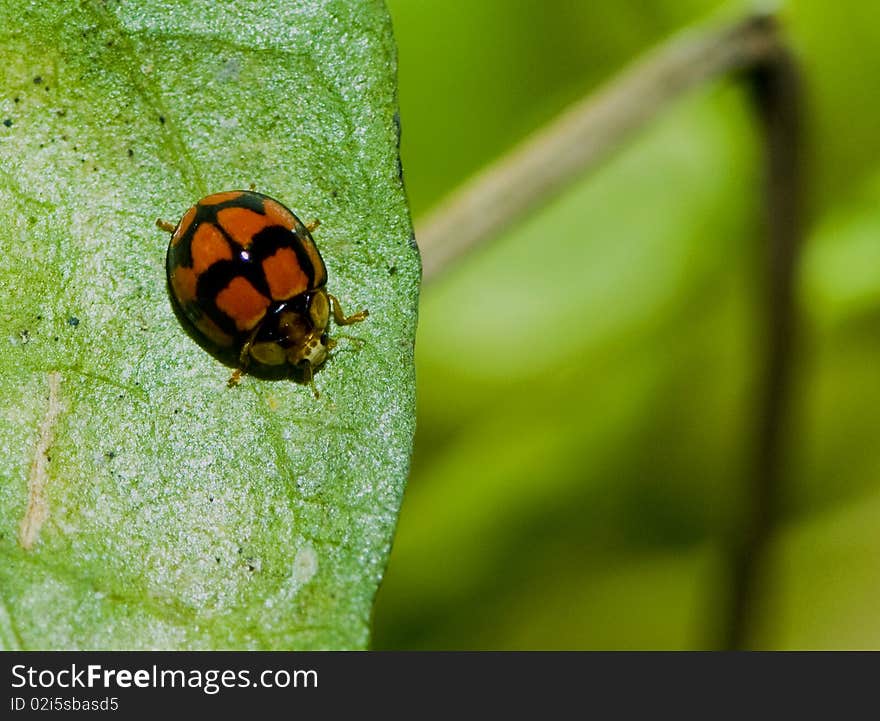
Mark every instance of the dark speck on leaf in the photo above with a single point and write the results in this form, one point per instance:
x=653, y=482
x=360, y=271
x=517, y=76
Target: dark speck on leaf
x=162, y=119
x=73, y=321
x=8, y=122
x=392, y=270
x=38, y=79
x=55, y=338
x=110, y=455
x=16, y=100
x=130, y=152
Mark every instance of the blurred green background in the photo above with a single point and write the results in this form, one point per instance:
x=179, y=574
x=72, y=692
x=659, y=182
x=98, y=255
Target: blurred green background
x=587, y=381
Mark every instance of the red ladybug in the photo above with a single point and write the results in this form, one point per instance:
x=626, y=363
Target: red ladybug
x=246, y=275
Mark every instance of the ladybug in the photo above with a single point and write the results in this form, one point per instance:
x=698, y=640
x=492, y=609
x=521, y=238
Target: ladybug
x=247, y=278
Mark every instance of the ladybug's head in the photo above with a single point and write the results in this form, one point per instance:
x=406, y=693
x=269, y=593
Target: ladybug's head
x=314, y=351
x=294, y=333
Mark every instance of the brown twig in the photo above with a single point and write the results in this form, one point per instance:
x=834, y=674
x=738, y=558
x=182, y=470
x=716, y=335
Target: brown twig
x=586, y=134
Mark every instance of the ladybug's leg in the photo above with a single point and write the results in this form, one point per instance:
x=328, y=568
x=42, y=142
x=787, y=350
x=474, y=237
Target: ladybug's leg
x=312, y=225
x=309, y=376
x=165, y=225
x=244, y=360
x=339, y=314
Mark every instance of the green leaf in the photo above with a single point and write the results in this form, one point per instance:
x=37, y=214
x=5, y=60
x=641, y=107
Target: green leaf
x=143, y=504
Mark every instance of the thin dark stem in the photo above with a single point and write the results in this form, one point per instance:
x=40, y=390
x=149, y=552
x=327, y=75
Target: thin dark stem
x=777, y=96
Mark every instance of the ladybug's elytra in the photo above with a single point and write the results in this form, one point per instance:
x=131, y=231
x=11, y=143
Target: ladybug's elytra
x=244, y=271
